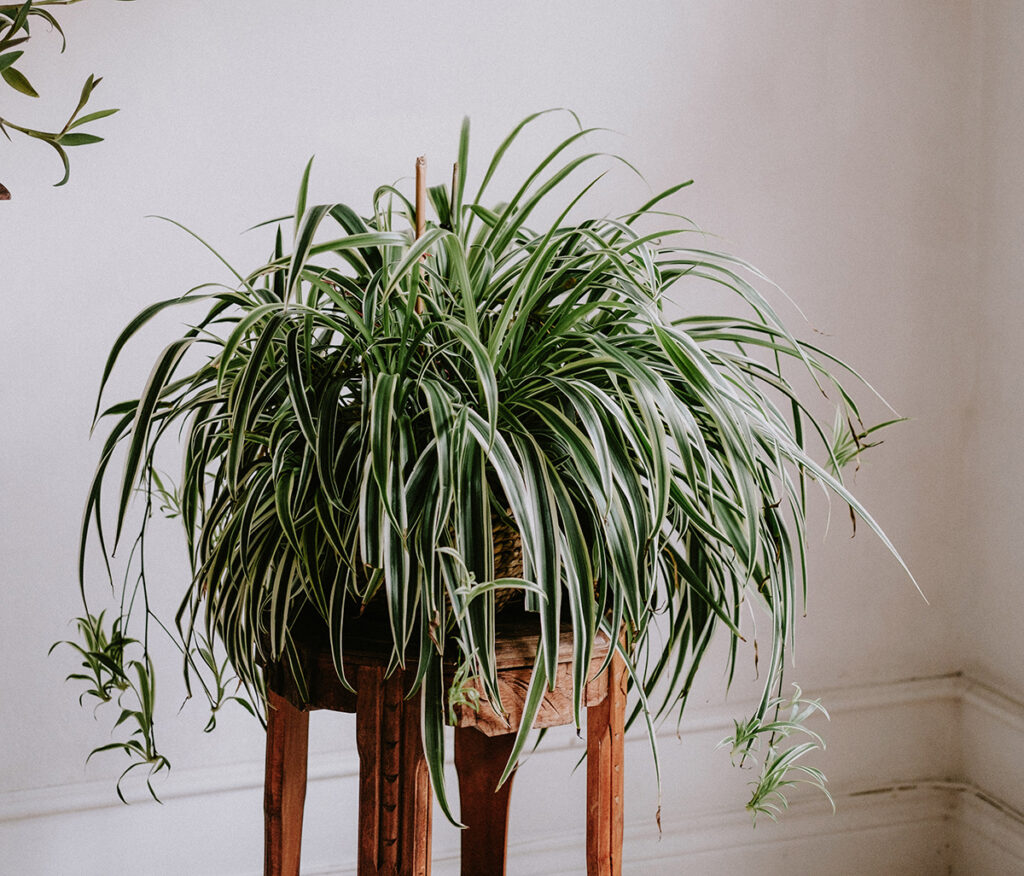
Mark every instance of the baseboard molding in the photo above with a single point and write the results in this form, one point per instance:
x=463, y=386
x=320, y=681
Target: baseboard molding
x=984, y=818
x=98, y=793
x=725, y=841
x=980, y=697
x=969, y=785
x=199, y=782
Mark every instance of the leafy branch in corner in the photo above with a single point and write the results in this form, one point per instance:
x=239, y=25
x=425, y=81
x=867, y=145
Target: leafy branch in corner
x=15, y=31
x=780, y=765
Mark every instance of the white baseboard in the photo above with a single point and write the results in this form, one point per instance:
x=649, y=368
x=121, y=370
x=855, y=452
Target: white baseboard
x=906, y=829
x=987, y=821
x=99, y=794
x=922, y=771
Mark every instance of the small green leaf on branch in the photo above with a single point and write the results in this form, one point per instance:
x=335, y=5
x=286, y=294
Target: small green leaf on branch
x=16, y=79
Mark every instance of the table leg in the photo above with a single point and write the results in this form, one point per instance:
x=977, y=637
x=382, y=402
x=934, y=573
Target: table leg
x=480, y=761
x=284, y=792
x=605, y=731
x=394, y=786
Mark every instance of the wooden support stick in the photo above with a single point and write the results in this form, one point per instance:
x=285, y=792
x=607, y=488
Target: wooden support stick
x=421, y=195
x=453, y=220
x=421, y=207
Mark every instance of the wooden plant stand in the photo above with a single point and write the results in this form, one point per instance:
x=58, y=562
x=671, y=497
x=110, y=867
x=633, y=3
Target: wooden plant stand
x=394, y=789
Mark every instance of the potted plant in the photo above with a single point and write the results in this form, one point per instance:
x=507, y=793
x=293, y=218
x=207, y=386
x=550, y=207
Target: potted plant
x=361, y=415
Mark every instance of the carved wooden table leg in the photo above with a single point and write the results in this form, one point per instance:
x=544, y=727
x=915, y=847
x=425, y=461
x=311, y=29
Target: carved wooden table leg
x=284, y=792
x=394, y=787
x=480, y=761
x=605, y=757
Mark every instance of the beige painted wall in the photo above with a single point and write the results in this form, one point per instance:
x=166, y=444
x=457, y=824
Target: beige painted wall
x=991, y=622
x=846, y=148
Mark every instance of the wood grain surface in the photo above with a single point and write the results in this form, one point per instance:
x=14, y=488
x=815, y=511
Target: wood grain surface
x=480, y=761
x=284, y=789
x=605, y=766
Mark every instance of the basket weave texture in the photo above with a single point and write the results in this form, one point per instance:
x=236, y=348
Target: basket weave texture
x=508, y=560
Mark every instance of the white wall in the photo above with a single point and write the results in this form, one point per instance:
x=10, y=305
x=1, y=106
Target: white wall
x=837, y=145
x=992, y=599
x=992, y=632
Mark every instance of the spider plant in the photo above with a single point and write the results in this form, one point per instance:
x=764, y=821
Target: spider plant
x=359, y=412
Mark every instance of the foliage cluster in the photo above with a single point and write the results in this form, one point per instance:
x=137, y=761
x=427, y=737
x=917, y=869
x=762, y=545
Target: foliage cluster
x=15, y=31
x=358, y=413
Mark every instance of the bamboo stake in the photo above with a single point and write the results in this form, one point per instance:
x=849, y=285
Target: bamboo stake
x=453, y=219
x=421, y=195
x=421, y=208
